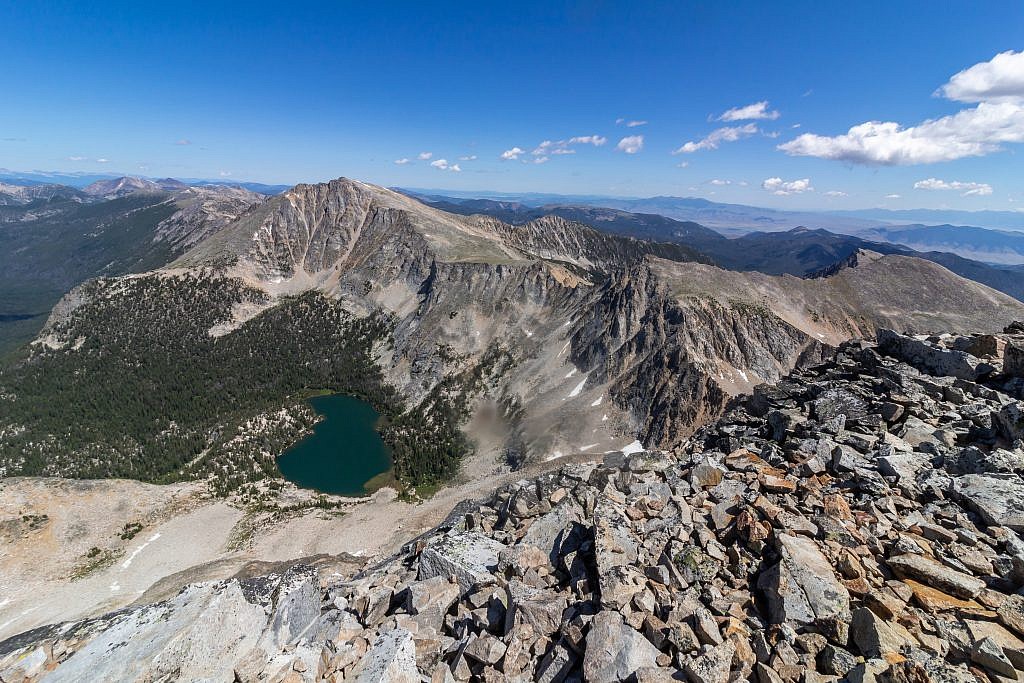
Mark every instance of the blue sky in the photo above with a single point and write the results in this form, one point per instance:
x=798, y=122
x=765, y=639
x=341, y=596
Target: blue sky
x=286, y=93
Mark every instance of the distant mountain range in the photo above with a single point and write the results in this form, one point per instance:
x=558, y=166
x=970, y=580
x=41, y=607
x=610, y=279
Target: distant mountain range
x=980, y=244
x=82, y=180
x=740, y=218
x=797, y=251
x=997, y=220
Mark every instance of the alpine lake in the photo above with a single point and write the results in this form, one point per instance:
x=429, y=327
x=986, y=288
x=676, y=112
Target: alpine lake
x=344, y=455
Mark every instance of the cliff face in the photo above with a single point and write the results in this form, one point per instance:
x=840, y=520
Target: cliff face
x=674, y=363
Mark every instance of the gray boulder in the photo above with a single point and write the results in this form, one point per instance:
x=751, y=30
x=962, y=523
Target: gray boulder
x=615, y=651
x=802, y=587
x=468, y=556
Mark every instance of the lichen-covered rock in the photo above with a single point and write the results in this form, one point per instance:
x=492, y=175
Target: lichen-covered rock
x=469, y=557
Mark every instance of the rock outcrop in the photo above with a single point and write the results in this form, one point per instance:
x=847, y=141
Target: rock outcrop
x=854, y=521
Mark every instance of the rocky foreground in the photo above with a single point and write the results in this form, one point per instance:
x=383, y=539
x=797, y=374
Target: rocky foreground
x=858, y=521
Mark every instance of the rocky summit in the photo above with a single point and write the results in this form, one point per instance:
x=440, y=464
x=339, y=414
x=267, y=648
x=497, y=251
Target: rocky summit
x=859, y=520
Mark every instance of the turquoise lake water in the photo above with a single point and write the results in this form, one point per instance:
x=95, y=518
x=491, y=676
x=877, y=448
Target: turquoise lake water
x=343, y=453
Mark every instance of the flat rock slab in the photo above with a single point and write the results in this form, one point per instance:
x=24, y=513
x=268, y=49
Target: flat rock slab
x=470, y=557
x=932, y=573
x=998, y=500
x=802, y=587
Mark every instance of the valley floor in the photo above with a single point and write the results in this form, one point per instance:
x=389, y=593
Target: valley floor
x=49, y=527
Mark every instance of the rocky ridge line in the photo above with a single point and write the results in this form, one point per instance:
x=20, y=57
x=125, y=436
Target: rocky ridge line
x=857, y=521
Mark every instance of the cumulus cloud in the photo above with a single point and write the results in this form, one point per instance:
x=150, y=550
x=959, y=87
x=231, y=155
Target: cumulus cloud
x=1000, y=78
x=558, y=147
x=471, y=157
x=102, y=161
x=76, y=158
x=443, y=165
x=683, y=164
x=183, y=142
x=552, y=147
x=717, y=137
x=595, y=140
x=835, y=193
x=965, y=189
x=631, y=144
x=511, y=154
x=402, y=162
x=892, y=196
x=719, y=181
x=225, y=174
x=751, y=112
x=540, y=160
x=998, y=119
x=782, y=187
x=423, y=156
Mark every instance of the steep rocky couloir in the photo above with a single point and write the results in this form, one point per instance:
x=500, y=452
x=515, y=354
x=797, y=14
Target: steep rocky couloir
x=857, y=521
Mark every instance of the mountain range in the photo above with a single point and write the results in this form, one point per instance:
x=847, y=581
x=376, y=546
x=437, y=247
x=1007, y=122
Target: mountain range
x=609, y=335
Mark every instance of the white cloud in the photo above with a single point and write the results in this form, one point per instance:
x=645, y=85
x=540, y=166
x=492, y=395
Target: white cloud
x=966, y=189
x=1000, y=78
x=998, y=119
x=540, y=160
x=183, y=142
x=595, y=140
x=683, y=164
x=892, y=196
x=510, y=154
x=76, y=158
x=402, y=162
x=423, y=156
x=835, y=193
x=717, y=137
x=443, y=165
x=634, y=124
x=558, y=147
x=631, y=144
x=619, y=120
x=719, y=181
x=102, y=161
x=471, y=157
x=225, y=174
x=787, y=187
x=751, y=112
x=550, y=147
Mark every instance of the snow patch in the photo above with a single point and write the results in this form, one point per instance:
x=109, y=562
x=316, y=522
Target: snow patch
x=528, y=333
x=554, y=456
x=604, y=418
x=589, y=446
x=597, y=402
x=635, y=447
x=579, y=387
x=128, y=562
x=571, y=373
